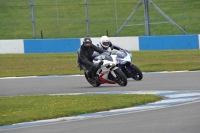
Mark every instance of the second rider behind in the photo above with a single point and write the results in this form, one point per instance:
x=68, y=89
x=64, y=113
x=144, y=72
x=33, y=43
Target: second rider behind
x=105, y=44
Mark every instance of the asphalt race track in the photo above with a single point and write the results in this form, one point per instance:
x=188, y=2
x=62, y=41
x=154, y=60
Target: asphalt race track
x=182, y=118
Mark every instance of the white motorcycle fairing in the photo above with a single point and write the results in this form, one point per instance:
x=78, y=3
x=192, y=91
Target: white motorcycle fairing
x=108, y=71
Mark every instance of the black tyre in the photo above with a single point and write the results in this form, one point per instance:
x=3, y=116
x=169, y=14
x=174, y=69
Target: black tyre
x=94, y=83
x=136, y=72
x=121, y=78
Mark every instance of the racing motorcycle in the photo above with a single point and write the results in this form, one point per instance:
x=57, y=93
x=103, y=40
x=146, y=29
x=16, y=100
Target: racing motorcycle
x=108, y=71
x=126, y=65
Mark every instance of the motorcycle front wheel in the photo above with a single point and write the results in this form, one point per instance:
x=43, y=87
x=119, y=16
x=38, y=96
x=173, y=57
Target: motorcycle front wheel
x=136, y=72
x=93, y=82
x=121, y=78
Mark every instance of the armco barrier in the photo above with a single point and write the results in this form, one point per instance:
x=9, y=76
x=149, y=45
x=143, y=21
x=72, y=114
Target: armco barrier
x=51, y=45
x=179, y=42
x=129, y=43
x=199, y=41
x=11, y=46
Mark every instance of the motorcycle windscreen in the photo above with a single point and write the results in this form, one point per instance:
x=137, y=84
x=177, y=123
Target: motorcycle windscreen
x=121, y=54
x=103, y=56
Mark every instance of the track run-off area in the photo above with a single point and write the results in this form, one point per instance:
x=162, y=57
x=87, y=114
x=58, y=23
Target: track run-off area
x=181, y=90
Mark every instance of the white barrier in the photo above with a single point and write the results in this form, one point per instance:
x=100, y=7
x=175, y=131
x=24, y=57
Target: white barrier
x=199, y=41
x=20, y=46
x=11, y=46
x=129, y=43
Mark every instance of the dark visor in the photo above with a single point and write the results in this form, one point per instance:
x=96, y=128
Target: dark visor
x=106, y=43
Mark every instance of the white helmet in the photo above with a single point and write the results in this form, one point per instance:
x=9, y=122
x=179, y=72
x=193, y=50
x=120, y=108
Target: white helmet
x=105, y=41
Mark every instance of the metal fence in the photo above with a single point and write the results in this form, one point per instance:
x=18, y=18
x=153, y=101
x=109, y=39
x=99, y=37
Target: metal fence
x=27, y=19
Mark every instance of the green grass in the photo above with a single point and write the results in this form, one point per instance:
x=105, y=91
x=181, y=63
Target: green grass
x=70, y=22
x=18, y=109
x=150, y=61
x=65, y=63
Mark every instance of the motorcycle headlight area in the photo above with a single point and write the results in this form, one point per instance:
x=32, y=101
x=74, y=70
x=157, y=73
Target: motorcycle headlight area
x=122, y=62
x=108, y=65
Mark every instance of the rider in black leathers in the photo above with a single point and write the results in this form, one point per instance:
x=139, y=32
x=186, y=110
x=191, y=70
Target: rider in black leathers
x=85, y=57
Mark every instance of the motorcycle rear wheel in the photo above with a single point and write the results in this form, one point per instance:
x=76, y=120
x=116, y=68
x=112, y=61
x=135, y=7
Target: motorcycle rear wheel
x=121, y=78
x=136, y=72
x=94, y=83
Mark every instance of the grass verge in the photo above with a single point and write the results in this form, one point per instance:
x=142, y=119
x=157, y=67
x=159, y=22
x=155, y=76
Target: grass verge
x=16, y=109
x=16, y=65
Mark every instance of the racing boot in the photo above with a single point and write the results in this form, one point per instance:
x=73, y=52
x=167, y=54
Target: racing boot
x=90, y=78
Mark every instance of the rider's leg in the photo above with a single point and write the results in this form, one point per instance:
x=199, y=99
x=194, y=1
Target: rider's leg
x=90, y=77
x=88, y=72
